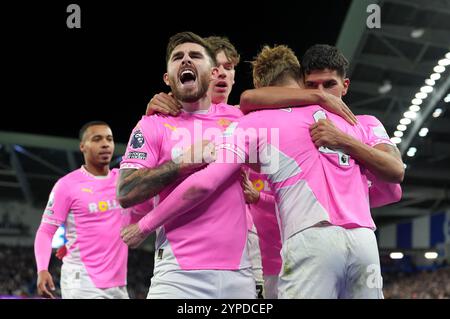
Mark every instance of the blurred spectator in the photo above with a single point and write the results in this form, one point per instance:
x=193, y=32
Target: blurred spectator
x=431, y=284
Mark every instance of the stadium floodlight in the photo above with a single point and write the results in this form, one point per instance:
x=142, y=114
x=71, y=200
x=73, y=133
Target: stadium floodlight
x=405, y=121
x=410, y=115
x=396, y=255
x=417, y=33
x=430, y=82
x=435, y=76
x=447, y=55
x=423, y=132
x=421, y=95
x=398, y=133
x=426, y=89
x=411, y=152
x=386, y=87
x=444, y=62
x=416, y=101
x=396, y=140
x=405, y=165
x=439, y=69
x=414, y=108
x=431, y=255
x=437, y=112
x=447, y=98
x=401, y=127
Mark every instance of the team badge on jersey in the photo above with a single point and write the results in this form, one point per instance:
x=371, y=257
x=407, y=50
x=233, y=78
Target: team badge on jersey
x=224, y=122
x=137, y=141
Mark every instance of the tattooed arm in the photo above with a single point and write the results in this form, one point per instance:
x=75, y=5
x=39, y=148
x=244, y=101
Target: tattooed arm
x=138, y=185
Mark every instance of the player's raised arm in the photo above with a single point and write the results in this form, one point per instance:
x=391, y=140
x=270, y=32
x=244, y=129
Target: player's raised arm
x=281, y=97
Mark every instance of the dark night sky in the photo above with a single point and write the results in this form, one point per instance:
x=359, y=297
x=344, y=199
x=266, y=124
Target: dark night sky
x=57, y=79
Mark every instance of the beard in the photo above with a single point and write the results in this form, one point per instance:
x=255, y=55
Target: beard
x=191, y=96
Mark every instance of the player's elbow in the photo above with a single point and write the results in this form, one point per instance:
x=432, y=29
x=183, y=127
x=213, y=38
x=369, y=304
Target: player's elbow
x=398, y=174
x=397, y=193
x=124, y=201
x=246, y=101
x=198, y=192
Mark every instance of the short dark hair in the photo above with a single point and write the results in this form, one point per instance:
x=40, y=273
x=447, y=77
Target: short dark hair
x=188, y=37
x=324, y=56
x=84, y=128
x=223, y=44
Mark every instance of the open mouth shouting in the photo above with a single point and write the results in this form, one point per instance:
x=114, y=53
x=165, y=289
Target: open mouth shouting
x=187, y=77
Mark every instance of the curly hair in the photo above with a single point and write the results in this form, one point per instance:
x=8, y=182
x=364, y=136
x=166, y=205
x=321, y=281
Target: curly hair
x=274, y=65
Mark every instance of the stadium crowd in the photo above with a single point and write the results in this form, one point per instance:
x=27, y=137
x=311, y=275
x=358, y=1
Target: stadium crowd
x=18, y=272
x=19, y=278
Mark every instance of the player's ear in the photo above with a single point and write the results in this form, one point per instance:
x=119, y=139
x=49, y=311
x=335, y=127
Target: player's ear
x=346, y=85
x=166, y=79
x=82, y=147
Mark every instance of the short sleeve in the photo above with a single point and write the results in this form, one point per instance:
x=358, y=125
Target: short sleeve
x=58, y=205
x=143, y=146
x=375, y=133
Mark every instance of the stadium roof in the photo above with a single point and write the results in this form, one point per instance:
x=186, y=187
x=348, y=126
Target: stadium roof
x=389, y=66
x=30, y=164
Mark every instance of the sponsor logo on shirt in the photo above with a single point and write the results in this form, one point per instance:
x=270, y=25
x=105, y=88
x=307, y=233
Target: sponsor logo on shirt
x=137, y=141
x=103, y=206
x=258, y=184
x=87, y=190
x=137, y=155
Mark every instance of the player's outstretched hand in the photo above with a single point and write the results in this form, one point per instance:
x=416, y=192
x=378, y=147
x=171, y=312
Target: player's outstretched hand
x=335, y=105
x=163, y=103
x=132, y=236
x=45, y=284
